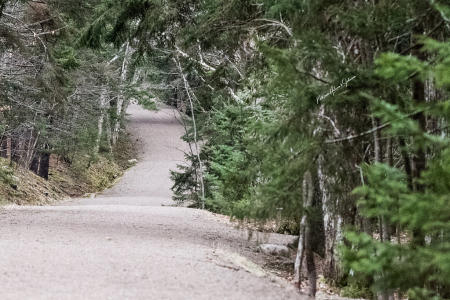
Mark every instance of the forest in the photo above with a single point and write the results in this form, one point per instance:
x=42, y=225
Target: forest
x=327, y=116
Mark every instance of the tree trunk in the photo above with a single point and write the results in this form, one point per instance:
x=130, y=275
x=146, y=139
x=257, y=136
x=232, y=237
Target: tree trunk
x=15, y=152
x=419, y=160
x=8, y=147
x=383, y=222
x=30, y=152
x=300, y=253
x=197, y=148
x=103, y=100
x=306, y=239
x=109, y=137
x=406, y=161
x=3, y=147
x=122, y=103
x=99, y=133
x=332, y=226
x=44, y=164
x=34, y=166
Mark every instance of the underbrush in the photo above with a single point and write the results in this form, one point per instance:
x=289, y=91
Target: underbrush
x=97, y=172
x=355, y=291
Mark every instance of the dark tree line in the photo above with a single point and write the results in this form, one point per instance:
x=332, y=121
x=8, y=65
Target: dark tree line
x=55, y=96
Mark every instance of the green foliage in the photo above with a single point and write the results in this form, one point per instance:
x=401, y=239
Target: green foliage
x=66, y=58
x=356, y=290
x=228, y=172
x=6, y=173
x=256, y=71
x=440, y=68
x=397, y=68
x=419, y=269
x=100, y=175
x=143, y=97
x=406, y=267
x=186, y=185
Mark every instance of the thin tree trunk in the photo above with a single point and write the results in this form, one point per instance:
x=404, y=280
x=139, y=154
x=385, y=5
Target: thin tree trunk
x=390, y=159
x=386, y=223
x=305, y=238
x=108, y=132
x=3, y=147
x=99, y=133
x=31, y=151
x=419, y=159
x=382, y=221
x=44, y=164
x=15, y=156
x=34, y=166
x=332, y=226
x=8, y=147
x=406, y=161
x=121, y=105
x=197, y=149
x=101, y=119
x=309, y=255
x=390, y=154
x=300, y=253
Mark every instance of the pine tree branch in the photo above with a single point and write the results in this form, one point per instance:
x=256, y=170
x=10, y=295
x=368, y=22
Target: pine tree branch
x=311, y=75
x=204, y=65
x=427, y=34
x=26, y=26
x=276, y=23
x=371, y=131
x=352, y=137
x=186, y=85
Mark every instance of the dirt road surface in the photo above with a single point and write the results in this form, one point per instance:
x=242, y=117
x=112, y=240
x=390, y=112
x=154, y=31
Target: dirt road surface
x=130, y=242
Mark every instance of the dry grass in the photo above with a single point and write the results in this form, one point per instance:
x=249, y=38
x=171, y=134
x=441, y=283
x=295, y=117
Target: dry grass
x=26, y=188
x=23, y=187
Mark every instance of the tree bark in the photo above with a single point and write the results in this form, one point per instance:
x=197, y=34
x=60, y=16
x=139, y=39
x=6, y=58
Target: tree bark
x=406, y=161
x=197, y=148
x=122, y=104
x=305, y=238
x=300, y=253
x=109, y=137
x=382, y=219
x=44, y=164
x=419, y=160
x=30, y=152
x=34, y=166
x=3, y=147
x=332, y=226
x=8, y=147
x=103, y=98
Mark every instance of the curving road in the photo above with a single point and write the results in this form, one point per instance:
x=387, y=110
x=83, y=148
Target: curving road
x=129, y=242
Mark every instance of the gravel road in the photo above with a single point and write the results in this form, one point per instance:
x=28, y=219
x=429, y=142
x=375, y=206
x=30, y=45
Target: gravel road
x=130, y=242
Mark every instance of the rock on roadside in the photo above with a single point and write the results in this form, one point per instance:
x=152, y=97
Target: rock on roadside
x=276, y=250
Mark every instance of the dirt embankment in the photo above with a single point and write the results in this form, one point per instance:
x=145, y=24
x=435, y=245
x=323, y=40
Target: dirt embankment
x=84, y=176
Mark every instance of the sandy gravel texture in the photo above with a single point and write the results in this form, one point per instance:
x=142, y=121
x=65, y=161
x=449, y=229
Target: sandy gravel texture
x=125, y=245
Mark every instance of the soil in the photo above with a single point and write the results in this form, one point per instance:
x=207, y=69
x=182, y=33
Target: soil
x=60, y=175
x=27, y=188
